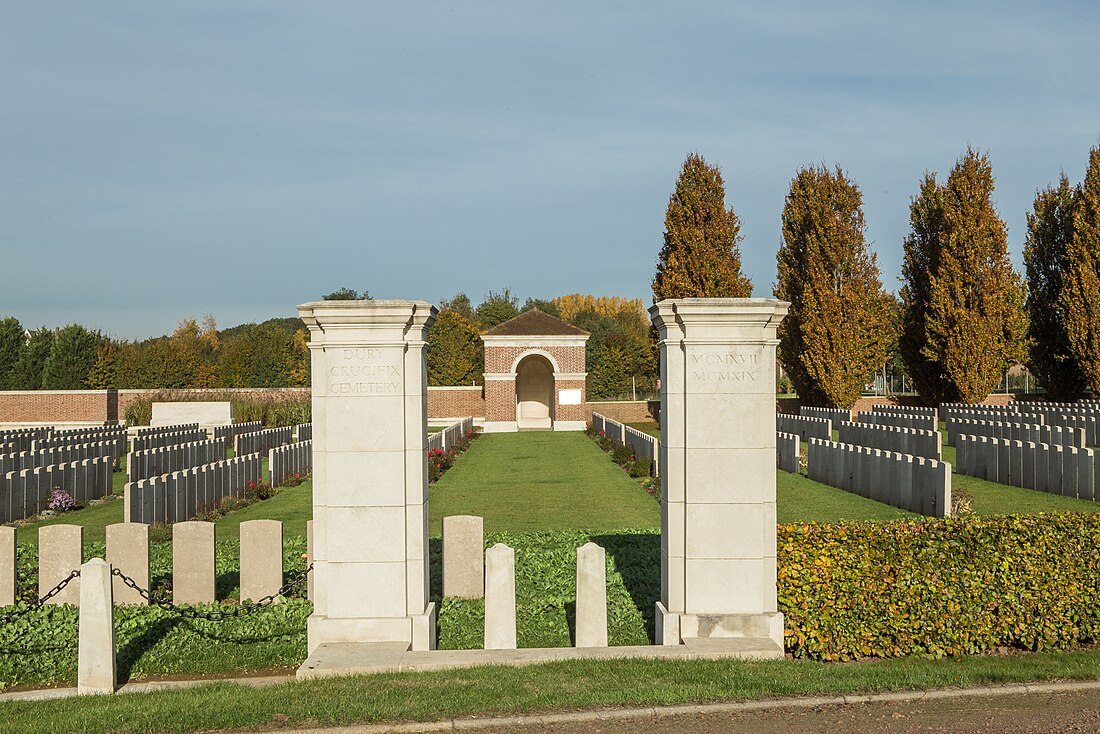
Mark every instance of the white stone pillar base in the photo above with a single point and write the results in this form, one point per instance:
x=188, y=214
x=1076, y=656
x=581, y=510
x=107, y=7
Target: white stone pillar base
x=499, y=427
x=674, y=629
x=569, y=425
x=417, y=631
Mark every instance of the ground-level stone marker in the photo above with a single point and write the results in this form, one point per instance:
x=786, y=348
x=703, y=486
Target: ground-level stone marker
x=128, y=551
x=193, y=562
x=718, y=565
x=464, y=556
x=370, y=476
x=96, y=630
x=261, y=558
x=60, y=552
x=591, y=617
x=500, y=598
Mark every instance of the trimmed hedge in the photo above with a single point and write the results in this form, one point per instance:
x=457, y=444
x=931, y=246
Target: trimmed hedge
x=940, y=587
x=848, y=591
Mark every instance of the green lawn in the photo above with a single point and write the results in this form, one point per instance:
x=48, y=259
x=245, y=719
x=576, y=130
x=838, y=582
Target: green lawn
x=498, y=691
x=523, y=482
x=991, y=498
x=798, y=499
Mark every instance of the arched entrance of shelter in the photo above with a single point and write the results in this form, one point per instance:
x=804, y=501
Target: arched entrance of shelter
x=534, y=393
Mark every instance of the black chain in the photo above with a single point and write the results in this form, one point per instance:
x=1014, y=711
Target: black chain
x=217, y=615
x=18, y=613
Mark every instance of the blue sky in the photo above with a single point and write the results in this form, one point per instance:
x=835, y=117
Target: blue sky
x=161, y=160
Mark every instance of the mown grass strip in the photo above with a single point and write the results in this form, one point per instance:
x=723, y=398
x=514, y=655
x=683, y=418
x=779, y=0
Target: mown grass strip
x=494, y=691
x=522, y=482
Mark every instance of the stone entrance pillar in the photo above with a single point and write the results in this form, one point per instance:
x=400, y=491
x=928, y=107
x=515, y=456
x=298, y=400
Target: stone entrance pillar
x=718, y=570
x=370, y=474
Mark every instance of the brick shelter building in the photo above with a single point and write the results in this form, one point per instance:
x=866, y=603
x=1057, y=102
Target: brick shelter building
x=535, y=374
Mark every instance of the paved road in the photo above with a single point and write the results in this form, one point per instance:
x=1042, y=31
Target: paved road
x=1033, y=713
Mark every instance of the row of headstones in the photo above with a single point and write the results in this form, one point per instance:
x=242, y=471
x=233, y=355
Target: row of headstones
x=1065, y=470
x=179, y=496
x=1084, y=418
x=912, y=483
x=169, y=438
x=284, y=462
x=1012, y=431
x=115, y=436
x=906, y=410
x=22, y=439
x=899, y=420
x=471, y=572
x=445, y=439
x=26, y=493
x=833, y=415
x=805, y=427
x=145, y=431
x=260, y=442
x=231, y=430
x=61, y=550
x=917, y=442
x=60, y=455
x=642, y=444
x=177, y=457
x=787, y=452
x=304, y=431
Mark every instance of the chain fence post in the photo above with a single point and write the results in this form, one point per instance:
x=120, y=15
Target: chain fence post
x=96, y=646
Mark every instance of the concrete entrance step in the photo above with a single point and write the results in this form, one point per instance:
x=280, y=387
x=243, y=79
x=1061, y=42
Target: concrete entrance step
x=361, y=658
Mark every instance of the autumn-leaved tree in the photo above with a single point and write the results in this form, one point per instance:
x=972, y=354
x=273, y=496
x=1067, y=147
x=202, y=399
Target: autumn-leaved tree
x=963, y=321
x=839, y=329
x=455, y=354
x=701, y=256
x=1081, y=293
x=1049, y=231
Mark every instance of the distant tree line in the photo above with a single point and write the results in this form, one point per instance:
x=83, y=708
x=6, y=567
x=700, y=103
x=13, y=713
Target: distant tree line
x=963, y=315
x=272, y=354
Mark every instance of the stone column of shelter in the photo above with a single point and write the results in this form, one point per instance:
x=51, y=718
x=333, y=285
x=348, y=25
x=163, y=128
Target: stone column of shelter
x=718, y=566
x=370, y=473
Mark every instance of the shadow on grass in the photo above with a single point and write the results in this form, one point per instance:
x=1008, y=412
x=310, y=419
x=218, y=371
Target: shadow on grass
x=131, y=652
x=637, y=559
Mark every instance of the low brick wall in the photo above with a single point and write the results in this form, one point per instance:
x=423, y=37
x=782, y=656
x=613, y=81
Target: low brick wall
x=57, y=406
x=864, y=404
x=625, y=411
x=456, y=402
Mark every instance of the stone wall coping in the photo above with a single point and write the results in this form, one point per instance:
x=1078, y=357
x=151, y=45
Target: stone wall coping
x=57, y=392
x=470, y=388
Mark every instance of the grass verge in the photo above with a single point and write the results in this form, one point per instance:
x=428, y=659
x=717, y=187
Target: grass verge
x=494, y=691
x=522, y=482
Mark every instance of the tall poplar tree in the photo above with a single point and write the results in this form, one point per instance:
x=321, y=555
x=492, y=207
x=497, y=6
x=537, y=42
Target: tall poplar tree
x=839, y=329
x=963, y=322
x=12, y=343
x=1081, y=292
x=700, y=257
x=1049, y=231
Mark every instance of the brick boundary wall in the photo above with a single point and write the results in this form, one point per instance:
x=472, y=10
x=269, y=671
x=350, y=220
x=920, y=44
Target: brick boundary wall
x=625, y=411
x=109, y=406
x=456, y=402
x=864, y=404
x=57, y=406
